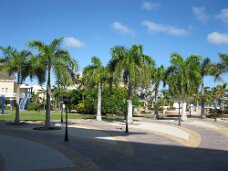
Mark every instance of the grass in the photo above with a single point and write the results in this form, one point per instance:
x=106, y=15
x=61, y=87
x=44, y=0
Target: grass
x=55, y=115
x=40, y=116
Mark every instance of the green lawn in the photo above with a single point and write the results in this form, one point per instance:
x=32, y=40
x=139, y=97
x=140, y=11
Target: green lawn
x=55, y=115
x=40, y=116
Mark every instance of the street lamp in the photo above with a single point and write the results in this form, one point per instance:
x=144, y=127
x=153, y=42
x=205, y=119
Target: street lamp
x=66, y=101
x=62, y=105
x=126, y=130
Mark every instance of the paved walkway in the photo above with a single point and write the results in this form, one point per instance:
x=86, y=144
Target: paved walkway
x=150, y=145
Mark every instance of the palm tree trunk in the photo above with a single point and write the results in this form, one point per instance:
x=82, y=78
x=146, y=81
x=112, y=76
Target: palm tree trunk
x=190, y=108
x=179, y=115
x=222, y=105
x=17, y=115
x=99, y=103
x=129, y=108
x=48, y=105
x=183, y=111
x=202, y=116
x=83, y=99
x=156, y=115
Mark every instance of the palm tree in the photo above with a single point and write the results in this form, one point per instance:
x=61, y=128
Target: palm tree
x=16, y=62
x=94, y=75
x=186, y=75
x=131, y=67
x=219, y=92
x=157, y=77
x=173, y=80
x=51, y=59
x=222, y=66
x=81, y=82
x=204, y=70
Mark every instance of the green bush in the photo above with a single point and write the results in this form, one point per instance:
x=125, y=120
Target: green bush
x=80, y=108
x=172, y=108
x=225, y=111
x=34, y=106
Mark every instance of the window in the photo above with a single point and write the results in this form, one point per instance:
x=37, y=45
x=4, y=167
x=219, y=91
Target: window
x=4, y=90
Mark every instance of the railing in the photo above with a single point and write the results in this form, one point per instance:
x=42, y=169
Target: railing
x=12, y=95
x=3, y=80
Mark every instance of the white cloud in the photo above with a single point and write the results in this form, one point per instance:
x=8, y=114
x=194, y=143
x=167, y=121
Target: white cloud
x=217, y=38
x=223, y=16
x=121, y=28
x=172, y=30
x=200, y=14
x=150, y=6
x=73, y=42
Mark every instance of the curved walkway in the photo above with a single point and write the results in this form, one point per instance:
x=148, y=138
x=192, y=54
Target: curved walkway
x=94, y=145
x=22, y=154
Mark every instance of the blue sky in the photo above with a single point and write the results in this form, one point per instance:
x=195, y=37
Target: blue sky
x=93, y=27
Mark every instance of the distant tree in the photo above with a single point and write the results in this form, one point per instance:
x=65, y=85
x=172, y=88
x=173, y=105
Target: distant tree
x=222, y=66
x=157, y=77
x=218, y=94
x=94, y=75
x=205, y=69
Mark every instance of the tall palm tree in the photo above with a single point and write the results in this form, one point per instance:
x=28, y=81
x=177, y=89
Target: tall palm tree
x=204, y=71
x=51, y=59
x=94, y=75
x=131, y=67
x=16, y=62
x=186, y=73
x=157, y=77
x=173, y=80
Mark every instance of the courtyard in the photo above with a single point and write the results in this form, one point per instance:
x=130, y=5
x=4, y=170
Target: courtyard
x=93, y=145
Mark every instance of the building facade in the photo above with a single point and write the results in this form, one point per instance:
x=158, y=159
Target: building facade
x=8, y=90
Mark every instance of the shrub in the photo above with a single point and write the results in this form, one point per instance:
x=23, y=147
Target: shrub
x=217, y=111
x=172, y=108
x=225, y=111
x=34, y=106
x=80, y=108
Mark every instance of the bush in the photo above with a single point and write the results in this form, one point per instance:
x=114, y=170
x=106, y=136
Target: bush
x=216, y=111
x=80, y=108
x=172, y=108
x=225, y=111
x=34, y=106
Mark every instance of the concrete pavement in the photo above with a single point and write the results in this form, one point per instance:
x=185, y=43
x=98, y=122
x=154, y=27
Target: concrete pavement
x=150, y=145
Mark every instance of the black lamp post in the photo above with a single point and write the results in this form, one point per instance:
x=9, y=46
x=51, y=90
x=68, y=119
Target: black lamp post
x=126, y=130
x=66, y=101
x=61, y=103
